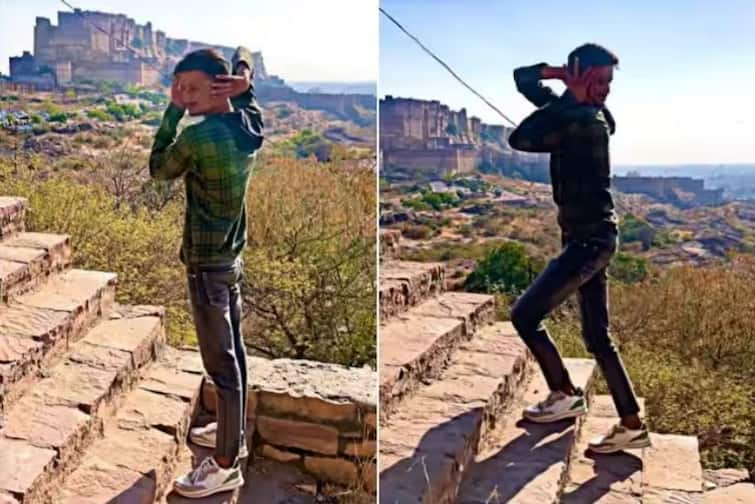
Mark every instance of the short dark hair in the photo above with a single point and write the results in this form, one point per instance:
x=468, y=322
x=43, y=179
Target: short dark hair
x=209, y=61
x=592, y=55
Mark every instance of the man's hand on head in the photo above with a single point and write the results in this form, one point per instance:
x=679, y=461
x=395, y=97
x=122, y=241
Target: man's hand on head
x=579, y=82
x=228, y=86
x=175, y=94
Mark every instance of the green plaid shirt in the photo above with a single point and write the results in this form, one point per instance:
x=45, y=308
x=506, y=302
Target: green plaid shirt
x=215, y=157
x=576, y=135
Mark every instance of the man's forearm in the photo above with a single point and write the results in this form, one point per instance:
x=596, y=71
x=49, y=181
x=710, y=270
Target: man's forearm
x=528, y=82
x=162, y=163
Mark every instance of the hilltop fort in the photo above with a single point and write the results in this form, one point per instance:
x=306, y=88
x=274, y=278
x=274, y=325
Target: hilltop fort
x=98, y=46
x=426, y=139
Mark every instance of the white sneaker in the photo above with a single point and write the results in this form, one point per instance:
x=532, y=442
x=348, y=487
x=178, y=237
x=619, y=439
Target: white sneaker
x=208, y=478
x=620, y=438
x=557, y=406
x=206, y=436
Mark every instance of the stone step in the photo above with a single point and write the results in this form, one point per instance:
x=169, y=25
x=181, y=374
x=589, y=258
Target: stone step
x=136, y=457
x=739, y=493
x=45, y=432
x=416, y=346
x=389, y=243
x=432, y=437
x=265, y=482
x=27, y=259
x=523, y=462
x=667, y=472
x=603, y=478
x=12, y=214
x=404, y=284
x=37, y=327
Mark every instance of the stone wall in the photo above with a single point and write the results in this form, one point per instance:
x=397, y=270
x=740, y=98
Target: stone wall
x=321, y=417
x=685, y=190
x=432, y=163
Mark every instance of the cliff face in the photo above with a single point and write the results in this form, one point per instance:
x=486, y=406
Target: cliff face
x=427, y=139
x=101, y=46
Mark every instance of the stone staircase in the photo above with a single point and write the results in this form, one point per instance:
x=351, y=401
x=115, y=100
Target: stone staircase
x=93, y=404
x=453, y=384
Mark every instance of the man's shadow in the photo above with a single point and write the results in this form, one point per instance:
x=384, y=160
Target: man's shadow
x=501, y=477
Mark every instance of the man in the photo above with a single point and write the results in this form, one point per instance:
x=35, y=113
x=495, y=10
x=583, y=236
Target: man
x=574, y=128
x=215, y=157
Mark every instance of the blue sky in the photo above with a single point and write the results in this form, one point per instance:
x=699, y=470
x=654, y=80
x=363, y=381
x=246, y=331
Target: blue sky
x=684, y=91
x=328, y=40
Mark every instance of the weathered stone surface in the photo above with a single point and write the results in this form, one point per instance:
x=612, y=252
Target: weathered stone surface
x=320, y=380
x=6, y=498
x=436, y=432
x=673, y=463
x=138, y=336
x=26, y=259
x=143, y=409
x=523, y=462
x=165, y=379
x=45, y=425
x=739, y=493
x=41, y=324
x=71, y=290
x=404, y=284
x=725, y=477
x=601, y=478
x=475, y=310
x=336, y=470
x=291, y=433
x=366, y=448
x=144, y=450
x=76, y=385
x=11, y=274
x=22, y=464
x=283, y=456
x=97, y=482
x=413, y=349
x=12, y=212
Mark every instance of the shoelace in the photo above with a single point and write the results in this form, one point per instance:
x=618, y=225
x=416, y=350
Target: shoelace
x=202, y=470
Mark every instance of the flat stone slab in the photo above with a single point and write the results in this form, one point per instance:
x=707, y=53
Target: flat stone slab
x=12, y=213
x=22, y=464
x=414, y=349
x=61, y=411
x=27, y=258
x=140, y=440
x=738, y=493
x=523, y=462
x=673, y=463
x=435, y=433
x=97, y=482
x=405, y=283
x=70, y=290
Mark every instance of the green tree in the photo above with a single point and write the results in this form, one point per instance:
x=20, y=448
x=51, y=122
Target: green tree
x=633, y=228
x=628, y=268
x=505, y=269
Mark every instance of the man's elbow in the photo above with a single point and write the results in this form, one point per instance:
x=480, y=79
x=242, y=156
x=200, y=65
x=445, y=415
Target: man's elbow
x=154, y=170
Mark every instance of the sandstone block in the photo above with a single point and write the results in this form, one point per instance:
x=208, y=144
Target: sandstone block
x=307, y=436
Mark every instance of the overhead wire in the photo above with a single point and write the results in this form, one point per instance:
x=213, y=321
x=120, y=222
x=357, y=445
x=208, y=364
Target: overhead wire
x=446, y=66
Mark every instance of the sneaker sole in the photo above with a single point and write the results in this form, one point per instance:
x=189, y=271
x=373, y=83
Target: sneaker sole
x=210, y=491
x=556, y=418
x=613, y=449
x=206, y=444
